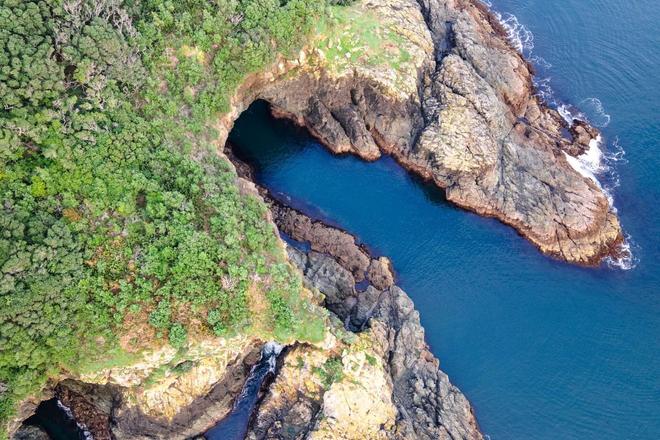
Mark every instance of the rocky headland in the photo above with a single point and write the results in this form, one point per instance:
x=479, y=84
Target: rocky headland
x=450, y=98
x=388, y=384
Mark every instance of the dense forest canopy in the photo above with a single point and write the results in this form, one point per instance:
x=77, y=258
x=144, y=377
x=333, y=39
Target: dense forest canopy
x=116, y=211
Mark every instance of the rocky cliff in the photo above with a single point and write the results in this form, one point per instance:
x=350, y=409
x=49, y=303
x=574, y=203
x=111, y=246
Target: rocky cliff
x=160, y=395
x=399, y=393
x=446, y=94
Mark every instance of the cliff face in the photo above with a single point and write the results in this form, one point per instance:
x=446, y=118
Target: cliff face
x=160, y=395
x=452, y=101
x=405, y=395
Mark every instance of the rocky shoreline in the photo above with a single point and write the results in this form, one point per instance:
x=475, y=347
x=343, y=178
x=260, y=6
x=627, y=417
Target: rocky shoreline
x=464, y=115
x=427, y=405
x=461, y=111
x=375, y=322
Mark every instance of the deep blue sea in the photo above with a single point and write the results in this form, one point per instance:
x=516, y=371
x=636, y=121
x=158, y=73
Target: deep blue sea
x=543, y=349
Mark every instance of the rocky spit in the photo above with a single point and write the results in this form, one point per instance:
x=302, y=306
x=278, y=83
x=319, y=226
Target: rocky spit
x=459, y=110
x=407, y=397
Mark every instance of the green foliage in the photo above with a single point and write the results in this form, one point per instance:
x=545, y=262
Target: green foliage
x=178, y=336
x=332, y=371
x=183, y=367
x=114, y=202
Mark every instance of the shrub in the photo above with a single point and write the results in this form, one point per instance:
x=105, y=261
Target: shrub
x=178, y=336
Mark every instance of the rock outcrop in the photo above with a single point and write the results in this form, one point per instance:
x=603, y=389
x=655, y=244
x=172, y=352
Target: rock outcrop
x=331, y=241
x=387, y=384
x=163, y=396
x=451, y=99
x=338, y=391
x=160, y=395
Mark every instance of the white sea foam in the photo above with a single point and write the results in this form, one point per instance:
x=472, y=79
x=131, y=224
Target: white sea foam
x=627, y=259
x=88, y=435
x=521, y=38
x=271, y=350
x=594, y=163
x=590, y=163
x=592, y=109
x=589, y=110
x=539, y=61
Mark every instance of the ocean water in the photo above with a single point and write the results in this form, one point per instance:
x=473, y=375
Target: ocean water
x=543, y=349
x=235, y=425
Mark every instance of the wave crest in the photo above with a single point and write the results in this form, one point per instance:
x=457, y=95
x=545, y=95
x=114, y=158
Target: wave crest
x=627, y=259
x=594, y=164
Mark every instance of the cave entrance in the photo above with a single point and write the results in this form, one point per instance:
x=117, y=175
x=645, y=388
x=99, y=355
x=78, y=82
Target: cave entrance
x=286, y=160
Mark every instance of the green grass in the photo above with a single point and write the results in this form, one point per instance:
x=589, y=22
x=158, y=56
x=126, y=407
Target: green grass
x=349, y=36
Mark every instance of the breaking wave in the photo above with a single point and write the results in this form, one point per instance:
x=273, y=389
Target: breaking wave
x=520, y=37
x=590, y=163
x=589, y=110
x=594, y=164
x=627, y=259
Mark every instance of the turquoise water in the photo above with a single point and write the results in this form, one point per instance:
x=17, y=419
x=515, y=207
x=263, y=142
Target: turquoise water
x=543, y=349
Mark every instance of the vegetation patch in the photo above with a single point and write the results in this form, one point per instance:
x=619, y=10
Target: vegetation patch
x=348, y=37
x=114, y=203
x=332, y=371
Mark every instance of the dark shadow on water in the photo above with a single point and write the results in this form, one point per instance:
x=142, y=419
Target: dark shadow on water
x=54, y=419
x=284, y=139
x=235, y=425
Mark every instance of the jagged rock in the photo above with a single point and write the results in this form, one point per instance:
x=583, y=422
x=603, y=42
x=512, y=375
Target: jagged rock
x=428, y=405
x=158, y=397
x=380, y=274
x=327, y=276
x=462, y=113
x=332, y=241
x=91, y=405
x=198, y=410
x=339, y=392
x=30, y=432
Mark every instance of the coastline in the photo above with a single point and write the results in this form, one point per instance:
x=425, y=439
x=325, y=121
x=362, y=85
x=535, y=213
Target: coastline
x=425, y=120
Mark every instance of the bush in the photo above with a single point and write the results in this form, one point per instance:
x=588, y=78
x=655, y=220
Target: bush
x=178, y=336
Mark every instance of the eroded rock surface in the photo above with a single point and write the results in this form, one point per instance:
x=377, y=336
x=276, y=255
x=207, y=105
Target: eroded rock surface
x=403, y=394
x=428, y=405
x=460, y=110
x=332, y=241
x=160, y=398
x=338, y=391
